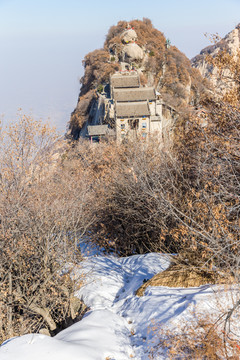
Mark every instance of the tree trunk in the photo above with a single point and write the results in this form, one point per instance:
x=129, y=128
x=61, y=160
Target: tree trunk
x=10, y=328
x=45, y=314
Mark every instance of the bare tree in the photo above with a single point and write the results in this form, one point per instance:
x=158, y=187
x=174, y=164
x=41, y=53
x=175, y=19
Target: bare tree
x=43, y=212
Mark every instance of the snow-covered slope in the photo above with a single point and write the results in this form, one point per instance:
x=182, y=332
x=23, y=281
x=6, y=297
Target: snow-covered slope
x=117, y=326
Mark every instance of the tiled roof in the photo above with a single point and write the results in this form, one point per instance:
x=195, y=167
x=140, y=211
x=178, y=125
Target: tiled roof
x=97, y=130
x=125, y=80
x=135, y=94
x=132, y=109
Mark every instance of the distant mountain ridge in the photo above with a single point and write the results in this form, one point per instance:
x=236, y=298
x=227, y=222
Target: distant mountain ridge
x=230, y=43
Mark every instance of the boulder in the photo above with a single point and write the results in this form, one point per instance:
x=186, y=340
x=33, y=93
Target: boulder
x=132, y=52
x=129, y=36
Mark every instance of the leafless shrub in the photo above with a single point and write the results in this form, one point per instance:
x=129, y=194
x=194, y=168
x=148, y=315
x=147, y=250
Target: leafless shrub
x=184, y=201
x=42, y=215
x=198, y=339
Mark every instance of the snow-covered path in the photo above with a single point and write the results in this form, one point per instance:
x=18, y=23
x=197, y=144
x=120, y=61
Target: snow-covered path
x=117, y=326
x=111, y=284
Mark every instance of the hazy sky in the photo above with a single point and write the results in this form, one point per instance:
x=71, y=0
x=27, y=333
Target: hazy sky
x=43, y=43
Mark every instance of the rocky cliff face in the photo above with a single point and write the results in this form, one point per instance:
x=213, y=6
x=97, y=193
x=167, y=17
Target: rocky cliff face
x=137, y=45
x=231, y=44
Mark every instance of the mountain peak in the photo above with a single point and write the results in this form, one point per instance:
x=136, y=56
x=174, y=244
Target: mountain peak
x=136, y=46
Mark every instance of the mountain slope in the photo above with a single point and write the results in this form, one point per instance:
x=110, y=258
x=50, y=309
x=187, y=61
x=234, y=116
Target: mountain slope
x=137, y=45
x=229, y=45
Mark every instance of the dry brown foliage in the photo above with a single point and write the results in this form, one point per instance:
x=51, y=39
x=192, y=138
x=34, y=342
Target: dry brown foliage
x=186, y=276
x=207, y=145
x=42, y=215
x=184, y=201
x=204, y=334
x=80, y=114
x=97, y=69
x=198, y=339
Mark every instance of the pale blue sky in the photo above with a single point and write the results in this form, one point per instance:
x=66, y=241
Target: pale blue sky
x=43, y=42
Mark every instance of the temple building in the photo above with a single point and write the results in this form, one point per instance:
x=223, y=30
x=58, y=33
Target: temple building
x=129, y=109
x=135, y=110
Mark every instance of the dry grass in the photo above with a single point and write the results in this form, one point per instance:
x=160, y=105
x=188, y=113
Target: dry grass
x=184, y=276
x=200, y=339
